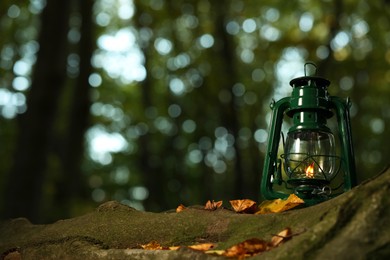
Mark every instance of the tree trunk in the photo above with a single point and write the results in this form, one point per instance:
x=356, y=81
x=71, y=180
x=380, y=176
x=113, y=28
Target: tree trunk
x=71, y=183
x=25, y=181
x=354, y=225
x=152, y=176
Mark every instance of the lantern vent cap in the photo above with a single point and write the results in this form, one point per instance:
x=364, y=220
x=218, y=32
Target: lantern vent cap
x=309, y=81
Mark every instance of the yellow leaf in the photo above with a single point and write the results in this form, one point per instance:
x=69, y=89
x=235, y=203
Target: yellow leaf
x=202, y=247
x=281, y=237
x=279, y=205
x=215, y=252
x=213, y=205
x=153, y=245
x=243, y=206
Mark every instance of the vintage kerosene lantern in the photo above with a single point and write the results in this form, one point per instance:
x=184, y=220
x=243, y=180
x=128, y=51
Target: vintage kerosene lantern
x=314, y=164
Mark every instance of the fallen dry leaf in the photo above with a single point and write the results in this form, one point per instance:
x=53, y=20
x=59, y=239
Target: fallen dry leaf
x=202, y=247
x=279, y=205
x=281, y=237
x=243, y=206
x=247, y=248
x=213, y=205
x=215, y=252
x=180, y=208
x=153, y=245
x=255, y=246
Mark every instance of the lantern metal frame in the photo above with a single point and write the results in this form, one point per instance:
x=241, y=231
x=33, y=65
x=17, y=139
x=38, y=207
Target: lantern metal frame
x=310, y=105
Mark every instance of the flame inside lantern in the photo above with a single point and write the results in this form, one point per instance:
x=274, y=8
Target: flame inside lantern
x=310, y=171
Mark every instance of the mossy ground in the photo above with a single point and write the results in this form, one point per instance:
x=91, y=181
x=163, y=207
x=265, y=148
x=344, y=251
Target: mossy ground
x=357, y=223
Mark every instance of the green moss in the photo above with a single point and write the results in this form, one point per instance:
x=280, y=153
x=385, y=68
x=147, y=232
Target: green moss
x=356, y=222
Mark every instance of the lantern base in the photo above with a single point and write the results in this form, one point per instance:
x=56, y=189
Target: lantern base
x=312, y=191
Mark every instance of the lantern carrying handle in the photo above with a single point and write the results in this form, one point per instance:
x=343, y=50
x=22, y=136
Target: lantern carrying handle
x=310, y=63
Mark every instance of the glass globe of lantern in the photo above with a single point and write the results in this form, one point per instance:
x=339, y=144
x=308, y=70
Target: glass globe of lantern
x=310, y=155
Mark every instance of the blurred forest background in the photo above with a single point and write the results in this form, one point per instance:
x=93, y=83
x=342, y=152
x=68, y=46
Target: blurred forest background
x=154, y=103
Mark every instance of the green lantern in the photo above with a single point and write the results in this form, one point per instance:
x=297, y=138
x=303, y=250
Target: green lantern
x=314, y=164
